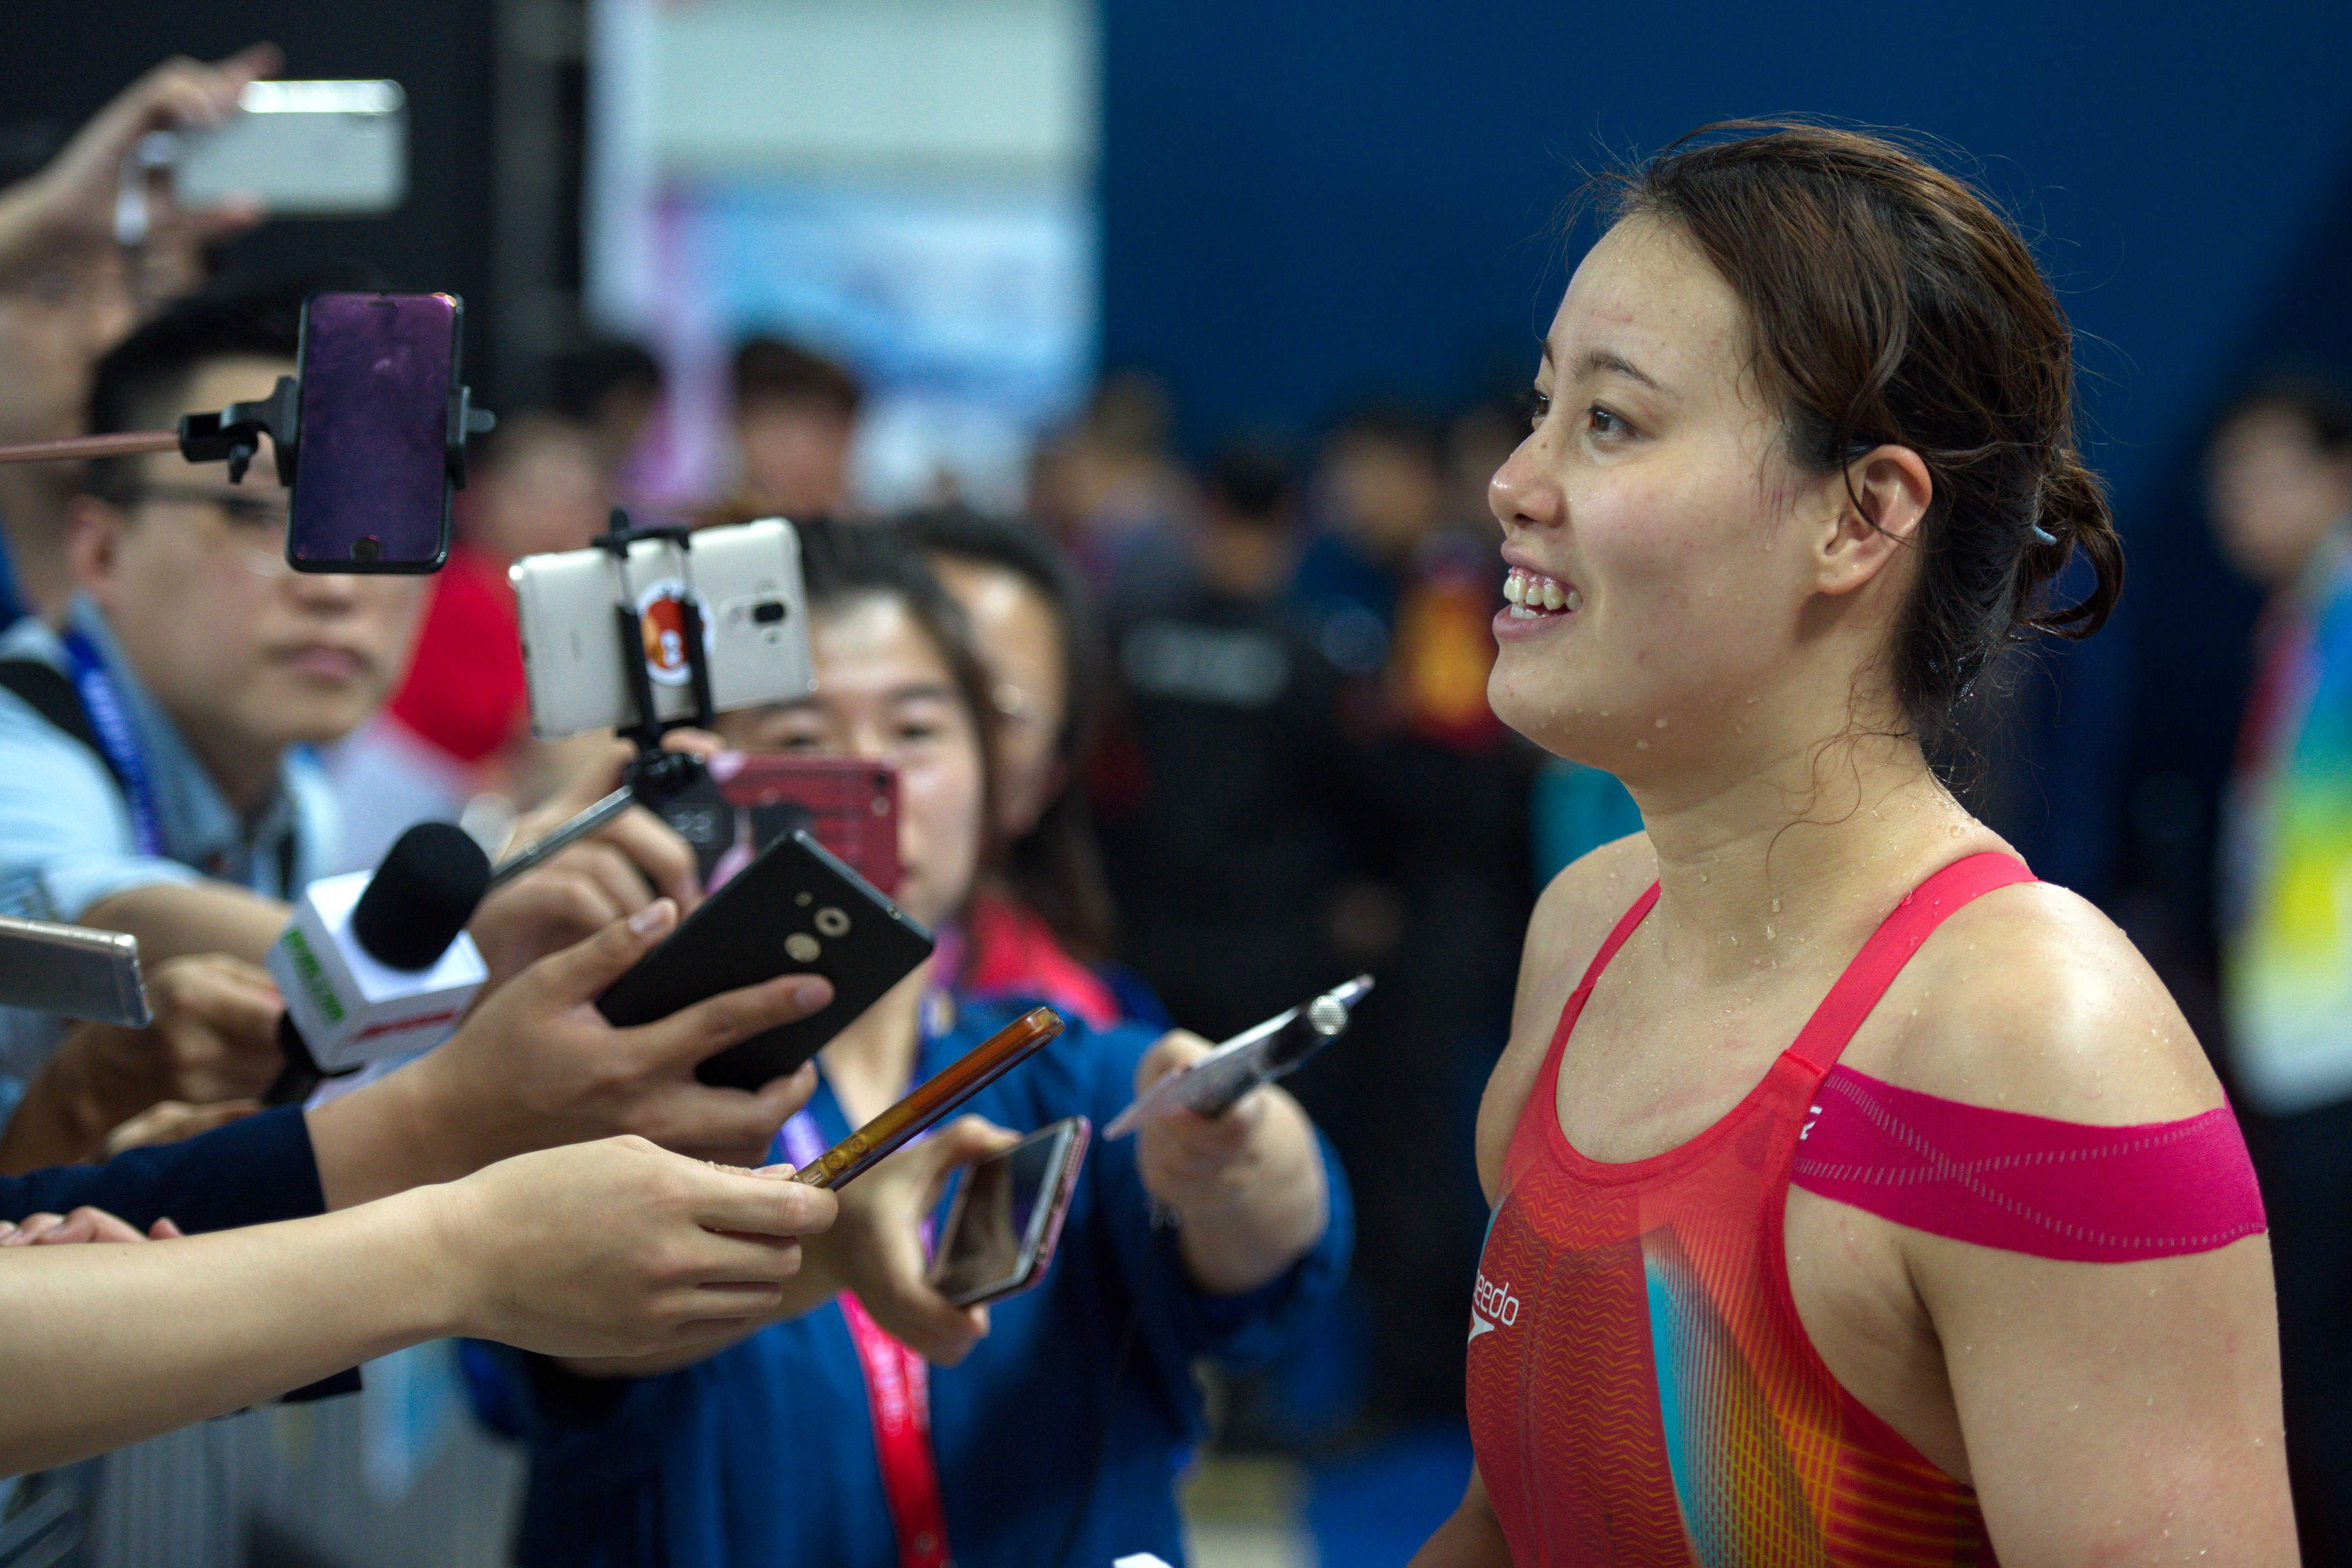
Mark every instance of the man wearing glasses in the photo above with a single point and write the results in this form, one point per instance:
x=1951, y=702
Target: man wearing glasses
x=155, y=770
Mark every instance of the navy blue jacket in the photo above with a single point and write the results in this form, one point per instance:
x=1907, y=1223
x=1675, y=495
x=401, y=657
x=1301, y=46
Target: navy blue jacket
x=250, y=1172
x=762, y=1457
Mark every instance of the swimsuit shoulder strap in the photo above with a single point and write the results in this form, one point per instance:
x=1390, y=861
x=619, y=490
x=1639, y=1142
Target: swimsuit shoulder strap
x=1899, y=935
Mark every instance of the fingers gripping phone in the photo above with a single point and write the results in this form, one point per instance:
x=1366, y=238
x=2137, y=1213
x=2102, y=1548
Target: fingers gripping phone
x=379, y=411
x=795, y=910
x=1008, y=1214
x=300, y=149
x=754, y=619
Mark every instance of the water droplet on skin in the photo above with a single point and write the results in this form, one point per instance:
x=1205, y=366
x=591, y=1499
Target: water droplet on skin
x=1770, y=935
x=1956, y=830
x=1662, y=724
x=1734, y=941
x=1702, y=876
x=1604, y=713
x=1776, y=906
x=1641, y=746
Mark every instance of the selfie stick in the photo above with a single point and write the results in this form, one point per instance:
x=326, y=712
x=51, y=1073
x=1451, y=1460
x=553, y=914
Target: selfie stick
x=234, y=435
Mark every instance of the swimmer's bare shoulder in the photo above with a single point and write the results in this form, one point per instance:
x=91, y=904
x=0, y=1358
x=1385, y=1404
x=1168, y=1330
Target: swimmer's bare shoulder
x=2030, y=999
x=1571, y=919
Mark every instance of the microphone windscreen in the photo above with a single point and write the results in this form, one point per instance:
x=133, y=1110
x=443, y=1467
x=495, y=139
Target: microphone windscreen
x=421, y=896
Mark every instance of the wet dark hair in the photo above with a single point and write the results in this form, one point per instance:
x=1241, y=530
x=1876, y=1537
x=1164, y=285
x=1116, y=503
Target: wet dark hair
x=2318, y=402
x=1891, y=305
x=1056, y=868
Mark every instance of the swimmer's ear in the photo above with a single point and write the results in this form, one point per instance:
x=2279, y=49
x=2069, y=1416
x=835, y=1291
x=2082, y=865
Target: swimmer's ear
x=1874, y=508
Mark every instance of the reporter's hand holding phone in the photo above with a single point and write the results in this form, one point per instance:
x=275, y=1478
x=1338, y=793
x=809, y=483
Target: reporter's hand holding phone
x=614, y=1247
x=1248, y=1187
x=876, y=1252
x=213, y=1038
x=618, y=1248
x=70, y=204
x=617, y=871
x=538, y=1065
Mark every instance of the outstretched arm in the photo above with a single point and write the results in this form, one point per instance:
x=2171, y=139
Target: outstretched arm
x=1249, y=1190
x=599, y=1248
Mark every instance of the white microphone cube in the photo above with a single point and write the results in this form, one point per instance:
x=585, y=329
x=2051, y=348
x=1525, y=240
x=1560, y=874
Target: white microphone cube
x=351, y=1010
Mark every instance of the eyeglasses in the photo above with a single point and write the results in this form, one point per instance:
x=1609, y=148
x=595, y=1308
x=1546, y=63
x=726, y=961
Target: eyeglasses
x=255, y=524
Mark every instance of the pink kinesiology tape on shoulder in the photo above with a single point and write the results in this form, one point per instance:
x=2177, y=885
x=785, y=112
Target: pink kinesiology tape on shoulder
x=2029, y=1184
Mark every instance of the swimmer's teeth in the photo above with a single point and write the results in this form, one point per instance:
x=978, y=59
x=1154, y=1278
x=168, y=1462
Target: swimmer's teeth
x=1533, y=595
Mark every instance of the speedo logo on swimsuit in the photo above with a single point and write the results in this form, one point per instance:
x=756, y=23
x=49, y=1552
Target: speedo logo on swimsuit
x=1492, y=1307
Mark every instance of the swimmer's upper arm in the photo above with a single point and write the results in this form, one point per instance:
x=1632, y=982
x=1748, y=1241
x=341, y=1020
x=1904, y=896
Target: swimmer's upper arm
x=2111, y=1411
x=1572, y=918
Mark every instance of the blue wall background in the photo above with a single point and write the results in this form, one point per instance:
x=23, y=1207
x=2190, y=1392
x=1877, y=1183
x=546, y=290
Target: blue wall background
x=1308, y=201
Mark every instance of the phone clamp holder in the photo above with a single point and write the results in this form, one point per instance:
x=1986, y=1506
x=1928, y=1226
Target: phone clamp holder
x=657, y=774
x=234, y=433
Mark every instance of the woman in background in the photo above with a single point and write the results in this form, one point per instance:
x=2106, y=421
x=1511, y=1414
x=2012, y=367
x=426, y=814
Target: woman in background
x=1056, y=1438
x=1041, y=923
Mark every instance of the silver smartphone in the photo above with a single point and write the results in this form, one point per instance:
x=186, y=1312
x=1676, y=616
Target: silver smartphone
x=318, y=149
x=747, y=580
x=74, y=971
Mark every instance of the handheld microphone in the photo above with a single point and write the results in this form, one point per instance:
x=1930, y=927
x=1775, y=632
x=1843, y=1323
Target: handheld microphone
x=378, y=964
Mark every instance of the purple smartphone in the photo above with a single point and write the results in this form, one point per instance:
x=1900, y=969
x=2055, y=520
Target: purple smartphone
x=1008, y=1215
x=371, y=476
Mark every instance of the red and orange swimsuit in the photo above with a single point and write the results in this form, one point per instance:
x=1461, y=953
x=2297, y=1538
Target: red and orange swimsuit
x=1641, y=1389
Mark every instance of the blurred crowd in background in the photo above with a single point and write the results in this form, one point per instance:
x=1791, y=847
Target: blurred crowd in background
x=1242, y=668
x=1271, y=764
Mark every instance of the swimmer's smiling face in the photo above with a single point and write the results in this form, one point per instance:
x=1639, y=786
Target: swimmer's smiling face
x=1664, y=555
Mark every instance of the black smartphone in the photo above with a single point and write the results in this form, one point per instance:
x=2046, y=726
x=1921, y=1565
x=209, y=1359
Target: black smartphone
x=795, y=910
x=371, y=479
x=1008, y=1215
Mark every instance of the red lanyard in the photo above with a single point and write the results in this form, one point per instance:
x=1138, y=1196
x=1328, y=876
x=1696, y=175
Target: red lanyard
x=898, y=1398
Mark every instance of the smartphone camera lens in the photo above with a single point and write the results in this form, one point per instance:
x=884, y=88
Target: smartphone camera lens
x=768, y=611
x=367, y=547
x=802, y=947
x=832, y=922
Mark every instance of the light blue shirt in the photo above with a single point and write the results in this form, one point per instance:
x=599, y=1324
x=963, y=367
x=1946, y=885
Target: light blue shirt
x=66, y=837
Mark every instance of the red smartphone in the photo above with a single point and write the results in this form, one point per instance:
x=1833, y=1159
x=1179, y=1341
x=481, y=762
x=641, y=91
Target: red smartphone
x=752, y=799
x=1008, y=1215
x=970, y=1073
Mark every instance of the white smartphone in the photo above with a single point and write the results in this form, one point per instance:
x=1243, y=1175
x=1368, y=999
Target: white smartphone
x=73, y=971
x=746, y=579
x=323, y=149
